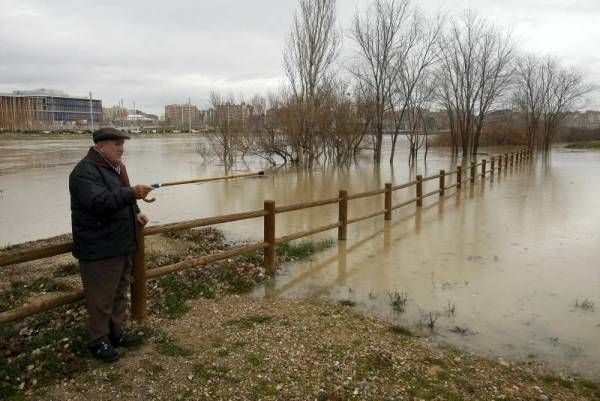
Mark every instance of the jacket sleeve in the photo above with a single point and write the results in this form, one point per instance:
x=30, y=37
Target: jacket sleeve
x=86, y=185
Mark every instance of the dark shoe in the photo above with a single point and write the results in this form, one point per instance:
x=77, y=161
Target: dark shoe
x=104, y=351
x=125, y=340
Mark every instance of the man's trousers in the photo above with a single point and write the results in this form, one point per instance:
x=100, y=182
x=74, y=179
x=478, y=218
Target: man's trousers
x=105, y=286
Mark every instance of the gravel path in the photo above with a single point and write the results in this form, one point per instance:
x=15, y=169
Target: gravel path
x=241, y=348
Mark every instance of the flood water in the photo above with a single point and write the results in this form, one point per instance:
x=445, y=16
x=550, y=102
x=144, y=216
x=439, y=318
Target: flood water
x=511, y=257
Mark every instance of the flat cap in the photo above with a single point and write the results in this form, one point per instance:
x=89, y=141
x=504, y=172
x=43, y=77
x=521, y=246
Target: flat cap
x=107, y=133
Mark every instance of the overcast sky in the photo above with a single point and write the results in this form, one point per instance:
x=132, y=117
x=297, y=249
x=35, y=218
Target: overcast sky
x=159, y=52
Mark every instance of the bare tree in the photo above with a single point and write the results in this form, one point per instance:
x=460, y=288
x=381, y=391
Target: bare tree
x=529, y=94
x=225, y=139
x=312, y=48
x=475, y=73
x=546, y=92
x=378, y=36
x=418, y=56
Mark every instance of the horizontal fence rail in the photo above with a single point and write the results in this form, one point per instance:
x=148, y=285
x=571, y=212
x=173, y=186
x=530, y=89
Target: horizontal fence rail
x=464, y=173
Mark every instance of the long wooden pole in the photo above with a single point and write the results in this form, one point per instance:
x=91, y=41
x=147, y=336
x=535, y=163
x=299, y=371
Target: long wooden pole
x=198, y=180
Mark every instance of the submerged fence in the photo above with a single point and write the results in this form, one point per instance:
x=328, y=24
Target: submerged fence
x=141, y=275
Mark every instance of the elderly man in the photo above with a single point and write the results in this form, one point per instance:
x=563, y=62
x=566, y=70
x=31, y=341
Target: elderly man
x=104, y=220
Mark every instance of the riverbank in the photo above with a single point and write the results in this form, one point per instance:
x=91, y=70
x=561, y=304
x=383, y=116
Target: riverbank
x=206, y=340
x=37, y=135
x=49, y=347
x=584, y=145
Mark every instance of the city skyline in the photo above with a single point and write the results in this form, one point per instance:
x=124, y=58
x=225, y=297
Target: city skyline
x=154, y=55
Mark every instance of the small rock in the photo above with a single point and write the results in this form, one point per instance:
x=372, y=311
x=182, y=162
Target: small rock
x=434, y=371
x=543, y=398
x=502, y=362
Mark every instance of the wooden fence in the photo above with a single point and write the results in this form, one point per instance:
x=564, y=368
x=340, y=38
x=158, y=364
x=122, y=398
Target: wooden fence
x=141, y=275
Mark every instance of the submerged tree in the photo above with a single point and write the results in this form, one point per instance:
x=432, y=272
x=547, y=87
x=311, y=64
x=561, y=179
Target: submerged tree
x=474, y=75
x=312, y=48
x=545, y=92
x=378, y=35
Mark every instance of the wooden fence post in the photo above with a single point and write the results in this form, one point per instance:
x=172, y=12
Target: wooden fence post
x=269, y=236
x=419, y=190
x=388, y=201
x=343, y=215
x=442, y=182
x=493, y=166
x=512, y=158
x=138, y=286
x=473, y=171
x=483, y=163
x=458, y=177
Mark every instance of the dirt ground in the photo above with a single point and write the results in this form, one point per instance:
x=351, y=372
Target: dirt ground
x=240, y=348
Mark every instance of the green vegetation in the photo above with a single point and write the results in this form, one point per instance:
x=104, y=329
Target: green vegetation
x=401, y=330
x=584, y=145
x=168, y=347
x=177, y=290
x=19, y=291
x=38, y=360
x=250, y=321
x=398, y=300
x=255, y=359
x=67, y=269
x=290, y=251
x=585, y=305
x=347, y=302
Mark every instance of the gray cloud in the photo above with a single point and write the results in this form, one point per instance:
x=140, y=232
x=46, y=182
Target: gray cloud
x=156, y=53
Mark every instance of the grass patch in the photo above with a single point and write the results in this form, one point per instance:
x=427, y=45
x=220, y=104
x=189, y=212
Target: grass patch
x=255, y=359
x=398, y=300
x=585, y=305
x=236, y=281
x=347, y=302
x=401, y=330
x=19, y=291
x=67, y=269
x=215, y=371
x=34, y=356
x=166, y=346
x=263, y=388
x=203, y=238
x=250, y=321
x=303, y=249
x=177, y=291
x=374, y=363
x=584, y=145
x=290, y=251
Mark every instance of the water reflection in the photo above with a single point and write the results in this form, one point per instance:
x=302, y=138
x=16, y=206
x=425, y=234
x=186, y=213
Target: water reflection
x=512, y=254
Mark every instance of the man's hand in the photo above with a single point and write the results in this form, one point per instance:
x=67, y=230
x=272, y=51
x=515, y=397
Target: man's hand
x=141, y=191
x=142, y=219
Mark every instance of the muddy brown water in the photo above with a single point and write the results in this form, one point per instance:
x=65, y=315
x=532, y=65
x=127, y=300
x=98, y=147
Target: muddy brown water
x=510, y=257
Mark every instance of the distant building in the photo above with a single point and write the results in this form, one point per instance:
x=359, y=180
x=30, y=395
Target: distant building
x=115, y=114
x=46, y=109
x=587, y=120
x=182, y=116
x=233, y=115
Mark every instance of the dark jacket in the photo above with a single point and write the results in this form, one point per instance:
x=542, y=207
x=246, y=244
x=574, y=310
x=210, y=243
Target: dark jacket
x=103, y=210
